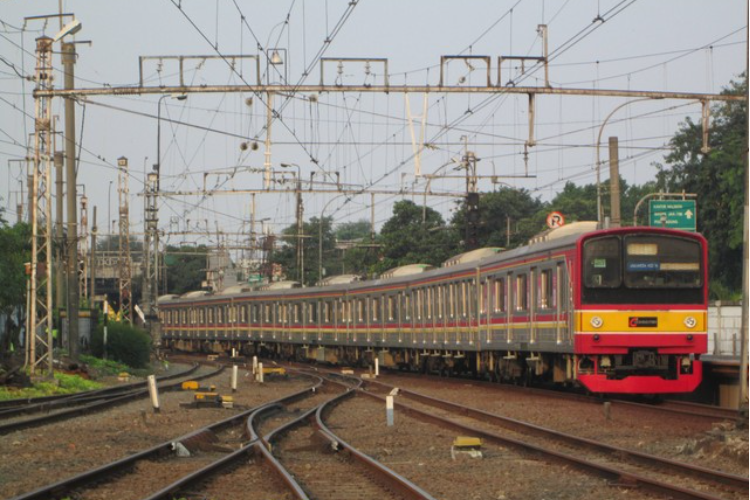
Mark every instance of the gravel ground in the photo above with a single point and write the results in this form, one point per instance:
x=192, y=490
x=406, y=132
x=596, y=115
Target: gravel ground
x=35, y=457
x=422, y=453
x=698, y=441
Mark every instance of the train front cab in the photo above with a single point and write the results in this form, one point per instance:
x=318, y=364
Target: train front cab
x=641, y=311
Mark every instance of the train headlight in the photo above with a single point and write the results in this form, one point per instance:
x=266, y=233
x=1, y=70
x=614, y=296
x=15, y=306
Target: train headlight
x=597, y=322
x=690, y=322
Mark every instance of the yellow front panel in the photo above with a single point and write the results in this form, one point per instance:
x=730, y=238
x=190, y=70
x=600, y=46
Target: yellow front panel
x=620, y=321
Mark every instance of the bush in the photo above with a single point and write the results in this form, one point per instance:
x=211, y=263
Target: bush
x=125, y=343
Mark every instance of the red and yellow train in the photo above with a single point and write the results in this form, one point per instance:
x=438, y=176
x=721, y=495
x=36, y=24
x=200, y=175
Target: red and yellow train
x=616, y=311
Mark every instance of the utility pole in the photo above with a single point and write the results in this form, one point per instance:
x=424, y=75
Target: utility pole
x=68, y=60
x=300, y=240
x=39, y=320
x=59, y=259
x=82, y=263
x=472, y=202
x=92, y=265
x=123, y=258
x=614, y=181
x=151, y=253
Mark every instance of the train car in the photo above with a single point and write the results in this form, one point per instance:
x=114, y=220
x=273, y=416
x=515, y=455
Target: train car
x=615, y=311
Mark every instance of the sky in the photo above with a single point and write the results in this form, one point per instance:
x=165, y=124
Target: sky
x=217, y=140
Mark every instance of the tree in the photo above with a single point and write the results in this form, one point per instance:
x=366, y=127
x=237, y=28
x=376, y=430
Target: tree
x=498, y=210
x=356, y=243
x=407, y=239
x=15, y=250
x=286, y=255
x=718, y=178
x=185, y=267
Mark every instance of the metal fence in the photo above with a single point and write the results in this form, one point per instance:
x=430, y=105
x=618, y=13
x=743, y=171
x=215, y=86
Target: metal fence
x=724, y=328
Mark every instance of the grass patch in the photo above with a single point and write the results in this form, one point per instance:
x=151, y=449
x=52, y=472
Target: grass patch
x=63, y=384
x=104, y=367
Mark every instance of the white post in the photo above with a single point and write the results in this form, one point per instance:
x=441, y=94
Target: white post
x=105, y=339
x=377, y=367
x=234, y=352
x=234, y=378
x=152, y=390
x=260, y=373
x=389, y=410
x=255, y=366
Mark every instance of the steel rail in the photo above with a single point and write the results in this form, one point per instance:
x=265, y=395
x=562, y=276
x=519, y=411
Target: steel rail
x=16, y=407
x=117, y=467
x=92, y=407
x=736, y=482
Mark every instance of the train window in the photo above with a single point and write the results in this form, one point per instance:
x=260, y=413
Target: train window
x=451, y=300
x=662, y=262
x=522, y=291
x=374, y=308
x=545, y=289
x=390, y=308
x=267, y=313
x=220, y=315
x=499, y=295
x=464, y=299
x=407, y=305
x=440, y=301
x=296, y=313
x=602, y=262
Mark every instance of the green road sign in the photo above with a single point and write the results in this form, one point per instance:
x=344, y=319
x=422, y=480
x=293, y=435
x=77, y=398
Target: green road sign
x=673, y=214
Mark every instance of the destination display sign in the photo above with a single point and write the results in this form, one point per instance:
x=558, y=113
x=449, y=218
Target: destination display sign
x=673, y=214
x=643, y=322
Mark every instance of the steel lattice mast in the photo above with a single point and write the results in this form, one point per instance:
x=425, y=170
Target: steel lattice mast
x=39, y=324
x=123, y=261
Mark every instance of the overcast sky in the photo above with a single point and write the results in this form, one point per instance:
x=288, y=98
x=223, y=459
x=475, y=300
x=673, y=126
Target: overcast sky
x=669, y=45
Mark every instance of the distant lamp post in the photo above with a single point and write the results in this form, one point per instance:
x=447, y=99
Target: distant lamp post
x=599, y=214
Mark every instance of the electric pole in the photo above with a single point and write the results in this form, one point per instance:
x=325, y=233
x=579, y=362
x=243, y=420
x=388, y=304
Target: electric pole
x=123, y=257
x=68, y=60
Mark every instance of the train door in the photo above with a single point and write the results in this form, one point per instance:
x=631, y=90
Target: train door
x=443, y=313
x=532, y=304
x=483, y=310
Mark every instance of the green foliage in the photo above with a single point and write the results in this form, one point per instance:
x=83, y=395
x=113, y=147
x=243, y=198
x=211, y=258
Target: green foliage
x=186, y=268
x=125, y=343
x=414, y=235
x=64, y=384
x=286, y=255
x=496, y=209
x=104, y=366
x=718, y=178
x=15, y=250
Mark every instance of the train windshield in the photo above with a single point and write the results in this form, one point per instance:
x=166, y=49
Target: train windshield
x=661, y=262
x=638, y=269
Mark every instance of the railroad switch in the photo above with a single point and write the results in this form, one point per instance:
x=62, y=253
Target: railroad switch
x=209, y=400
x=470, y=446
x=192, y=385
x=123, y=377
x=274, y=371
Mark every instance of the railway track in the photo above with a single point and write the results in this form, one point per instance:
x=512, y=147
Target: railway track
x=337, y=470
x=117, y=475
x=221, y=452
x=623, y=466
x=15, y=407
x=86, y=403
x=668, y=407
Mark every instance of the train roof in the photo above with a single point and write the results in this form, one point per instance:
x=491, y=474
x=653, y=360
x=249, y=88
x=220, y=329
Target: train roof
x=546, y=242
x=553, y=240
